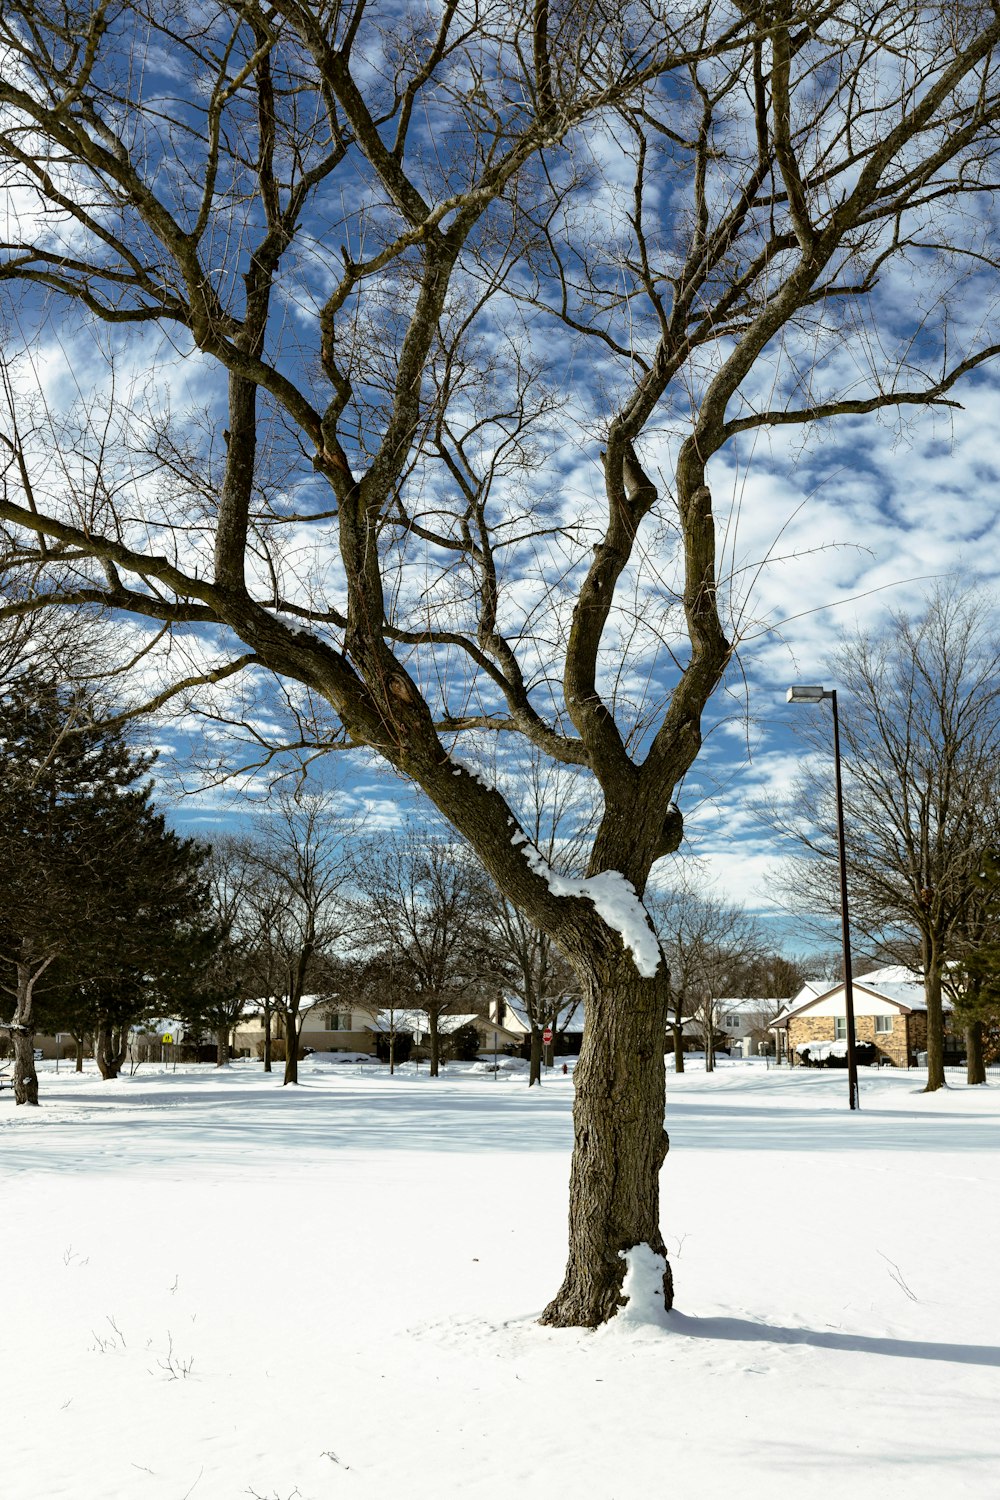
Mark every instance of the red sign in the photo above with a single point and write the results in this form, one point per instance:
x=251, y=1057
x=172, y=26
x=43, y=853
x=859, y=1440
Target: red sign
x=547, y=1035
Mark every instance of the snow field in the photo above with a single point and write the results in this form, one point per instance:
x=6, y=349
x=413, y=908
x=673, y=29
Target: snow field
x=219, y=1288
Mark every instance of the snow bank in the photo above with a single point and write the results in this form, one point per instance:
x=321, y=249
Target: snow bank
x=822, y=1049
x=826, y=1346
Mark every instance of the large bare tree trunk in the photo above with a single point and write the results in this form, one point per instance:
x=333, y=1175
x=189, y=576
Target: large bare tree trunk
x=935, y=1019
x=620, y=1145
x=23, y=1031
x=535, y=1064
x=78, y=1040
x=222, y=1047
x=975, y=1060
x=677, y=1027
x=25, y=1077
x=110, y=1047
x=267, y=1041
x=291, y=1048
x=435, y=1043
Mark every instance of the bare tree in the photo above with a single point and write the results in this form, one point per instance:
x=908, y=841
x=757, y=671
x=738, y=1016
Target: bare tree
x=709, y=945
x=302, y=865
x=423, y=907
x=417, y=250
x=920, y=726
x=227, y=984
x=556, y=810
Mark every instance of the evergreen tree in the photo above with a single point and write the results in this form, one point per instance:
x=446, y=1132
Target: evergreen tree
x=99, y=902
x=974, y=977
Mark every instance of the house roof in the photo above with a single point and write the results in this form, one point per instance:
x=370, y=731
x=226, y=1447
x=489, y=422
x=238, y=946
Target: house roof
x=408, y=1019
x=570, y=1017
x=901, y=987
x=750, y=1007
x=811, y=990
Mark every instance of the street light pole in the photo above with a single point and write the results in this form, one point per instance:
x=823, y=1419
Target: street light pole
x=803, y=694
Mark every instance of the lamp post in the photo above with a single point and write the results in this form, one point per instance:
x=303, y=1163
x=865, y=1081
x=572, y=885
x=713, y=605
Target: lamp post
x=810, y=694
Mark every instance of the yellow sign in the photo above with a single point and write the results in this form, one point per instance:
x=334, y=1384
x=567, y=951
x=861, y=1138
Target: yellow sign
x=167, y=1039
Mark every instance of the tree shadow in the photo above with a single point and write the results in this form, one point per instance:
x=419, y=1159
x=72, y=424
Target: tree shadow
x=742, y=1330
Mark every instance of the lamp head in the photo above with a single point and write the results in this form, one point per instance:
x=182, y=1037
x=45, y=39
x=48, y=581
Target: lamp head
x=803, y=693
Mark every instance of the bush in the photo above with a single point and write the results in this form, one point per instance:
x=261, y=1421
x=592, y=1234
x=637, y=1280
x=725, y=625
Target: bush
x=462, y=1044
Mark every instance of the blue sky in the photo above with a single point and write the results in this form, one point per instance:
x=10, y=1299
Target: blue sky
x=819, y=529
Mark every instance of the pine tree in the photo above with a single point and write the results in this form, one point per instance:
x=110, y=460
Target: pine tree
x=974, y=980
x=99, y=902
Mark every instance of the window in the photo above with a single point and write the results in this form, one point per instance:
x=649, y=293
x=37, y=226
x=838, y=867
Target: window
x=338, y=1020
x=883, y=1023
x=840, y=1028
x=733, y=1022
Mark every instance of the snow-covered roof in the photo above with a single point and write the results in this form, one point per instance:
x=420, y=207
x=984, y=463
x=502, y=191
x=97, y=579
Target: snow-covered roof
x=809, y=991
x=415, y=1021
x=255, y=1008
x=756, y=1007
x=894, y=983
x=570, y=1017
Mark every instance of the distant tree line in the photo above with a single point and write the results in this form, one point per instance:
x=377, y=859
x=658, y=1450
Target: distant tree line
x=110, y=922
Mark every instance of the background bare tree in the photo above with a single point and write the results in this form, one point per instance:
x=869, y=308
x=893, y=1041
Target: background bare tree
x=414, y=252
x=301, y=866
x=711, y=947
x=227, y=984
x=558, y=814
x=920, y=729
x=423, y=910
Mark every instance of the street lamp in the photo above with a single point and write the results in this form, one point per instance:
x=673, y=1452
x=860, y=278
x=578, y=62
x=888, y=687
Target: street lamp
x=810, y=694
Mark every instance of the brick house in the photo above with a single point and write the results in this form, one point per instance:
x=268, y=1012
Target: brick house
x=889, y=1011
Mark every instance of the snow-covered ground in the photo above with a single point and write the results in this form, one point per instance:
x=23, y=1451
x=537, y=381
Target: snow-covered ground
x=215, y=1287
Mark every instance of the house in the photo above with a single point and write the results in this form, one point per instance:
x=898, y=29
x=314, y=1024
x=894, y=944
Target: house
x=332, y=1026
x=510, y=1013
x=416, y=1024
x=890, y=1012
x=741, y=1026
x=326, y=1027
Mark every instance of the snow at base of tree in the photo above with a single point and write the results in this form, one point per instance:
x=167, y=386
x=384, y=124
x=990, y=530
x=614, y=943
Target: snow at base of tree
x=642, y=1289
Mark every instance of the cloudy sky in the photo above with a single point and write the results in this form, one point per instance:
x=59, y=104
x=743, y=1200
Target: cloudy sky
x=820, y=529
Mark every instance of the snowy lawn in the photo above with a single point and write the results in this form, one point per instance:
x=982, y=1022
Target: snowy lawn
x=216, y=1287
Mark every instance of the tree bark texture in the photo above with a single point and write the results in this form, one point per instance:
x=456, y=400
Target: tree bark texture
x=267, y=1041
x=678, y=1032
x=110, y=1047
x=222, y=1047
x=975, y=1060
x=935, y=1018
x=23, y=1035
x=25, y=1077
x=291, y=1048
x=620, y=1145
x=535, y=1064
